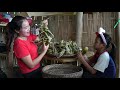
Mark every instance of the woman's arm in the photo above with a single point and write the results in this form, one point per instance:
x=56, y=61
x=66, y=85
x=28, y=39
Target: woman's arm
x=86, y=64
x=37, y=41
x=32, y=63
x=88, y=60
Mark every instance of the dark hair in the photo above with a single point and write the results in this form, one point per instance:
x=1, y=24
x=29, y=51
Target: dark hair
x=15, y=24
x=112, y=52
x=110, y=47
x=107, y=38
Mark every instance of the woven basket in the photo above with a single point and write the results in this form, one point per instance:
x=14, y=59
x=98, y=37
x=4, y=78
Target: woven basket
x=62, y=71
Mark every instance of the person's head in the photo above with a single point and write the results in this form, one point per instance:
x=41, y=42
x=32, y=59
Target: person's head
x=100, y=44
x=20, y=26
x=108, y=46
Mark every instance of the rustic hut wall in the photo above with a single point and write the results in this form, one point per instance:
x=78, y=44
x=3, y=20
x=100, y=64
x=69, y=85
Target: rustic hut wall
x=91, y=24
x=63, y=27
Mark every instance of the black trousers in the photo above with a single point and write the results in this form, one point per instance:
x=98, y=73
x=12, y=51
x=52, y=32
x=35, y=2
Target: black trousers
x=34, y=74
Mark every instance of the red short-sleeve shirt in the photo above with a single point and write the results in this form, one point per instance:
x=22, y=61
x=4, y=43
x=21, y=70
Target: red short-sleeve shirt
x=23, y=48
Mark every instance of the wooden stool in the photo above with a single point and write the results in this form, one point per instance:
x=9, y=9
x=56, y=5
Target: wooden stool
x=15, y=64
x=3, y=60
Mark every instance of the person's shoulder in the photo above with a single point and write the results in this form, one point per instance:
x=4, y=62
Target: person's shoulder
x=105, y=55
x=18, y=41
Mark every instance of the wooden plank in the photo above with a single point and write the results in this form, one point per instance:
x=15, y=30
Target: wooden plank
x=3, y=24
x=25, y=14
x=48, y=13
x=118, y=47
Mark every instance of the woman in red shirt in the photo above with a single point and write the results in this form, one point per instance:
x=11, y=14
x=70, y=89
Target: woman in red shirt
x=25, y=49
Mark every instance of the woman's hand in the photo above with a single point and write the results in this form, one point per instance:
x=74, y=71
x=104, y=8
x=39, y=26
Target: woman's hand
x=45, y=47
x=79, y=55
x=37, y=39
x=85, y=63
x=39, y=43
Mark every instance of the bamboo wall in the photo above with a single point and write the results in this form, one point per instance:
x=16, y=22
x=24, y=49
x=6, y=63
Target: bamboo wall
x=64, y=27
x=92, y=22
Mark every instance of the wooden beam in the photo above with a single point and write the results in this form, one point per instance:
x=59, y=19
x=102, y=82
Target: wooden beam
x=49, y=13
x=79, y=27
x=118, y=47
x=24, y=14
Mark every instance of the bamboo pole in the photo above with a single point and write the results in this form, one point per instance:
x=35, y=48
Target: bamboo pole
x=118, y=47
x=79, y=27
x=79, y=30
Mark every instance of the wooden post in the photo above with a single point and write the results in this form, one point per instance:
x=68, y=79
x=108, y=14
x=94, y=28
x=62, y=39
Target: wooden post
x=118, y=48
x=79, y=30
x=79, y=27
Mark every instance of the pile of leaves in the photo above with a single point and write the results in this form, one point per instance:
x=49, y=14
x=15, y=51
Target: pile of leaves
x=63, y=48
x=45, y=34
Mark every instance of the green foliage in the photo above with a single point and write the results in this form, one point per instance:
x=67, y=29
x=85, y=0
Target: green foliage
x=63, y=48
